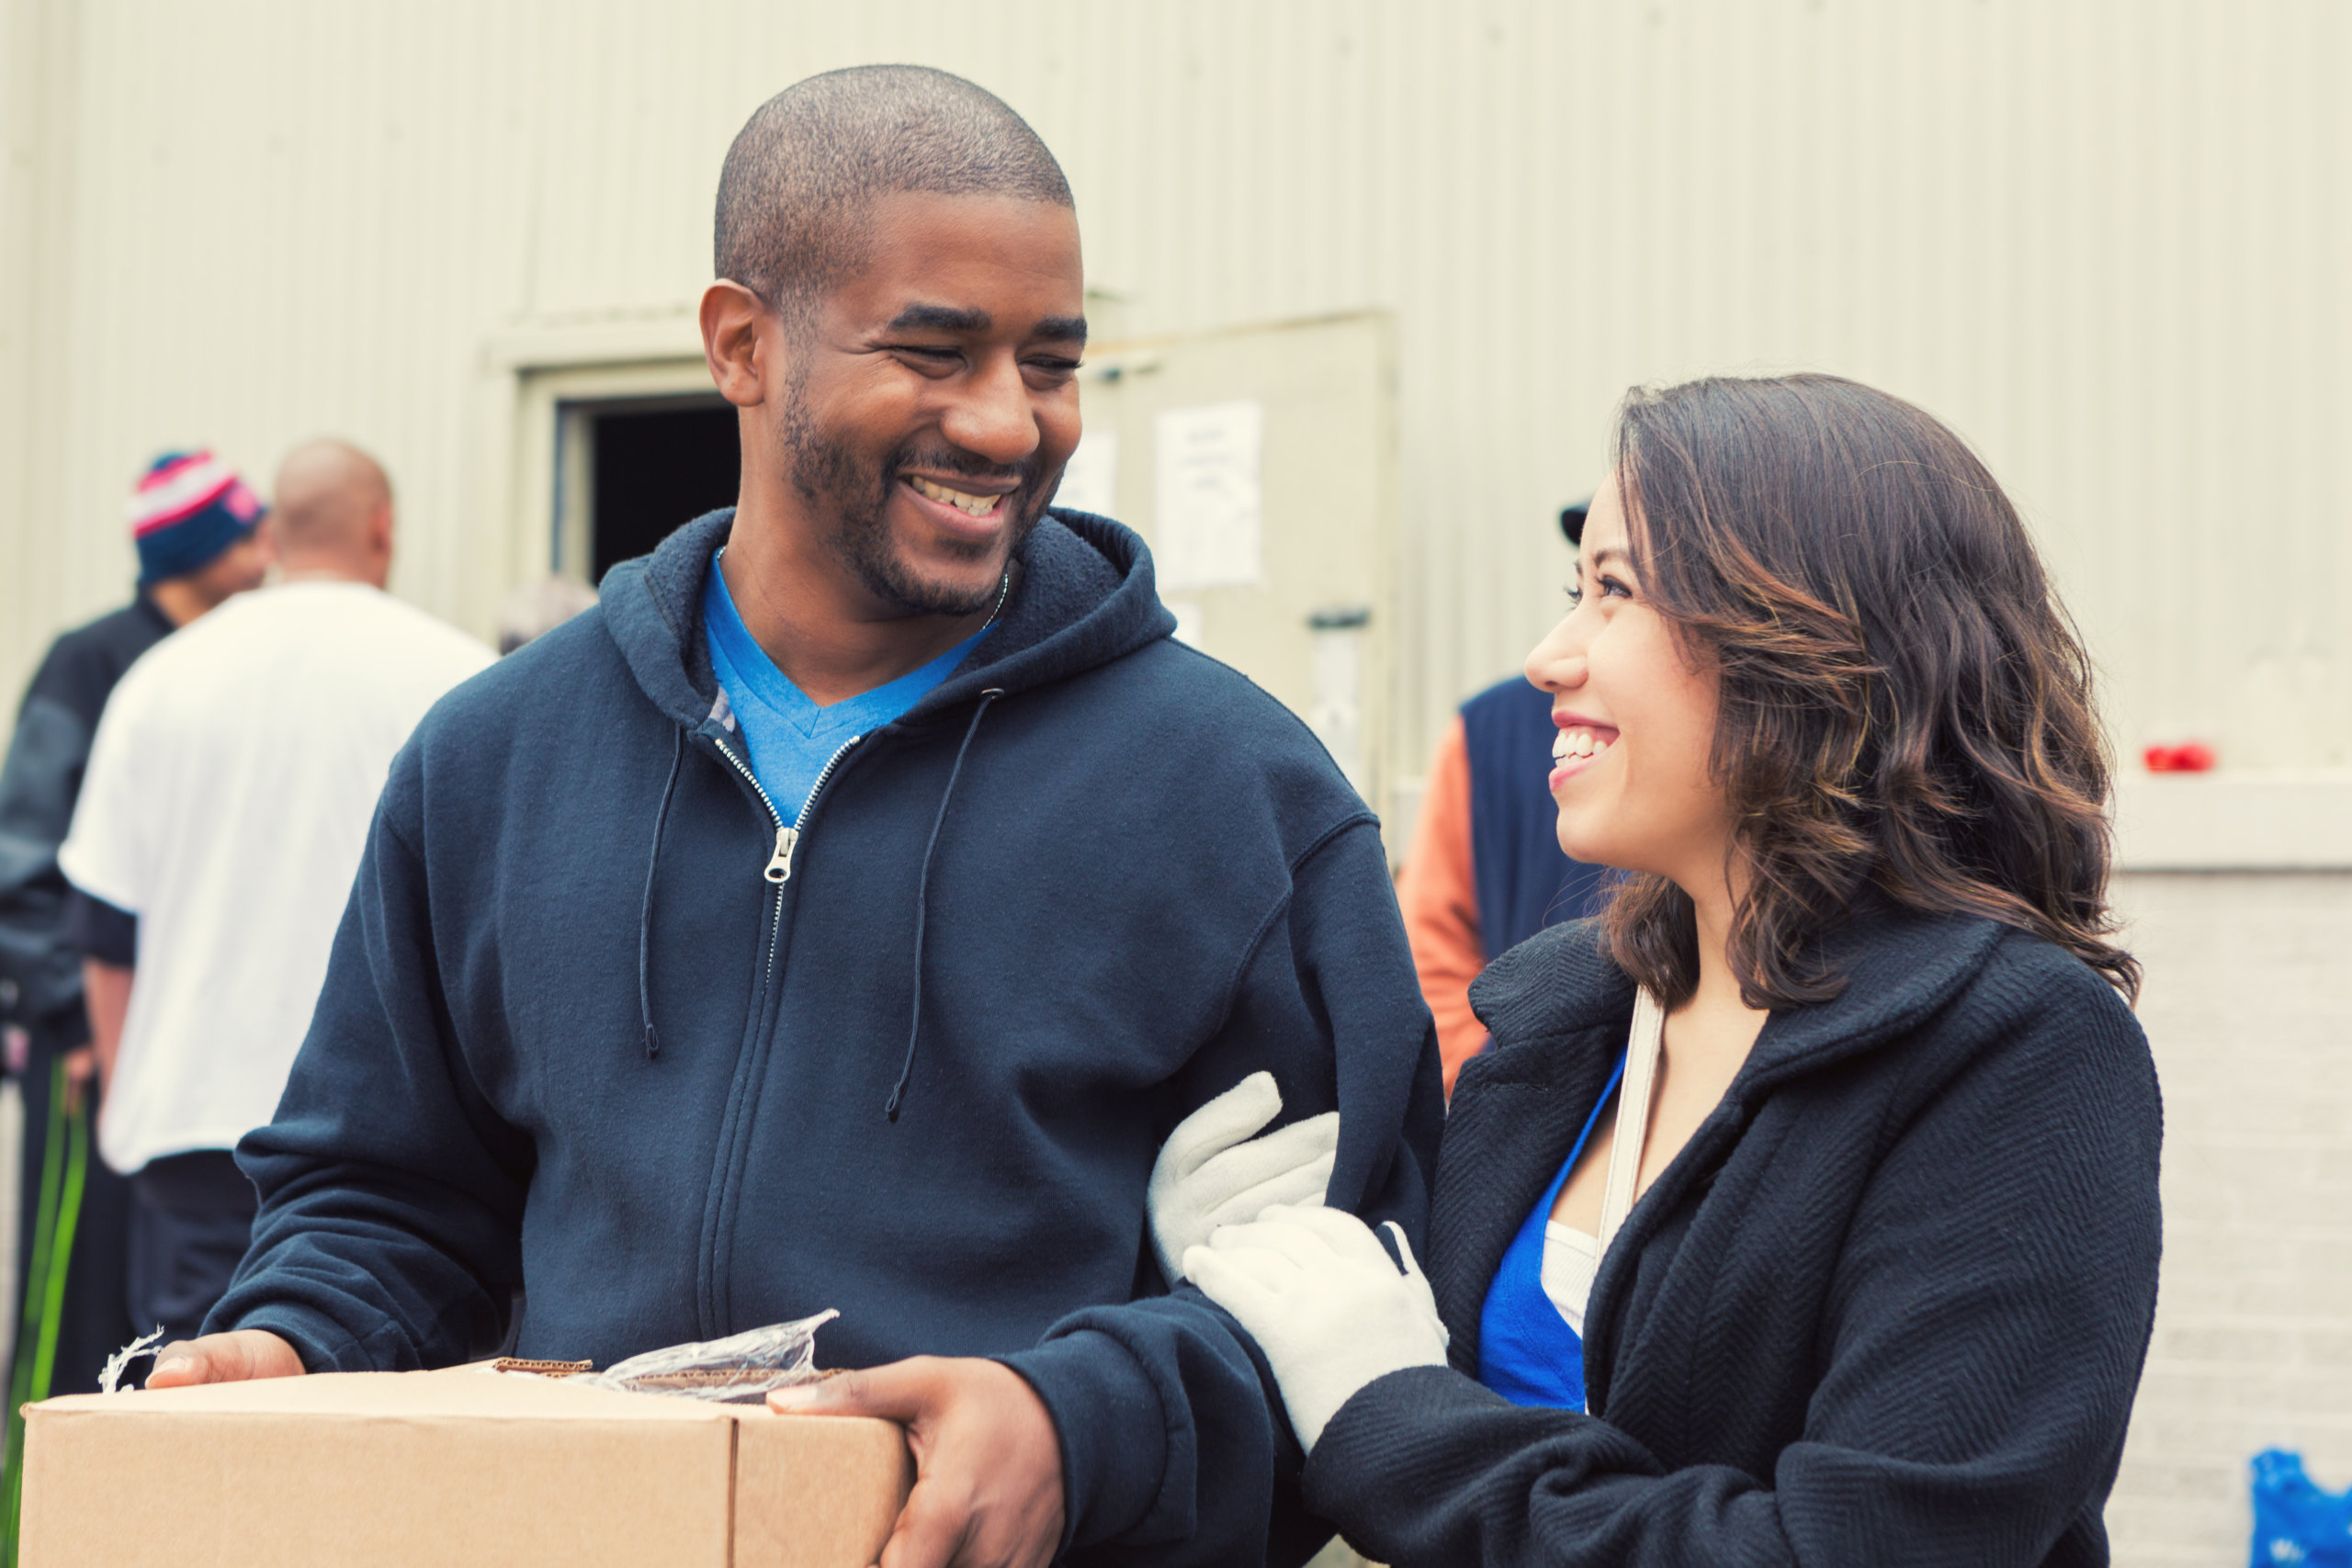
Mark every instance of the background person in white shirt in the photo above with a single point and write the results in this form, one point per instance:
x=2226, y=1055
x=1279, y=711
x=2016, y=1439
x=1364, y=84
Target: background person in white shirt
x=230, y=791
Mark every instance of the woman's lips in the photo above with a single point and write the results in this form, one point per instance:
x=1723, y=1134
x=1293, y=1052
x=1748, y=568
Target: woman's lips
x=1582, y=743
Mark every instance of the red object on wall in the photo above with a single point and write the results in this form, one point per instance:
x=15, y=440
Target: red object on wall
x=2192, y=757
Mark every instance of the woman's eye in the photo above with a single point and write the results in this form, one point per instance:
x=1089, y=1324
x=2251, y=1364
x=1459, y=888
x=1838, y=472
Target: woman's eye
x=1576, y=595
x=1612, y=588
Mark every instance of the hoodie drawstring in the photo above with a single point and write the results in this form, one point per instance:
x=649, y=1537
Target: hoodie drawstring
x=645, y=912
x=923, y=896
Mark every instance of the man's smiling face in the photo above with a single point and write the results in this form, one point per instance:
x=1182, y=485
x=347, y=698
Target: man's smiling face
x=932, y=397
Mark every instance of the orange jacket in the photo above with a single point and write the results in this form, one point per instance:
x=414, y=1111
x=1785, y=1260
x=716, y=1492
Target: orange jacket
x=1440, y=903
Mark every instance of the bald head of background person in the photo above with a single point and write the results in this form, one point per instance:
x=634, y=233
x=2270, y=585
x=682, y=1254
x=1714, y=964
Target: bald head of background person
x=333, y=514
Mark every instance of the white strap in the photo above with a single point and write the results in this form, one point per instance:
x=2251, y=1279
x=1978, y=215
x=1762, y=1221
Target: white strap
x=1633, y=1115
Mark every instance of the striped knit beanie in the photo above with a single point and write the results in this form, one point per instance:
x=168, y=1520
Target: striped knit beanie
x=188, y=508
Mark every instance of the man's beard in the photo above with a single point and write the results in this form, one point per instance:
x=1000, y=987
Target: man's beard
x=831, y=479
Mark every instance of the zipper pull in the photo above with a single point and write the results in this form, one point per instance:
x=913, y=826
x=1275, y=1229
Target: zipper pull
x=779, y=869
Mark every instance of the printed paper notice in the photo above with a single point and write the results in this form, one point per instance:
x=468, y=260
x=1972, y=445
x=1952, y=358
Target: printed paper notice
x=1091, y=478
x=1206, y=510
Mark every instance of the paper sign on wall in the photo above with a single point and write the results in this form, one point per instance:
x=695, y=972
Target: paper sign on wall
x=1207, y=495
x=1091, y=478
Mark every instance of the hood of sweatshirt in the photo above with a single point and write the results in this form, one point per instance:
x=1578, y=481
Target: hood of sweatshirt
x=1082, y=595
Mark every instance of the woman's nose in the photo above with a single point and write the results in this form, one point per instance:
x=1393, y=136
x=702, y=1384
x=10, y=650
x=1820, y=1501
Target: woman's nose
x=1557, y=663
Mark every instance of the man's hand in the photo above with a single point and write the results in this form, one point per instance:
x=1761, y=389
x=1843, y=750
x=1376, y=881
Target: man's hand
x=81, y=1066
x=988, y=1486
x=238, y=1356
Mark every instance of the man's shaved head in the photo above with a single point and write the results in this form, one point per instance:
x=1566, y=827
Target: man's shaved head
x=332, y=510
x=811, y=158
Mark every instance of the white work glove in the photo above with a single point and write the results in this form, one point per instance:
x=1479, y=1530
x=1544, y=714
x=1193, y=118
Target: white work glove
x=1212, y=1172
x=1318, y=1294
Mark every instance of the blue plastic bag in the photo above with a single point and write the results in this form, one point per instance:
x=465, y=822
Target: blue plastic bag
x=2295, y=1521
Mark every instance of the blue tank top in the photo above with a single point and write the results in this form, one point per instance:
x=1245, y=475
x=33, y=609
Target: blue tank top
x=1527, y=1352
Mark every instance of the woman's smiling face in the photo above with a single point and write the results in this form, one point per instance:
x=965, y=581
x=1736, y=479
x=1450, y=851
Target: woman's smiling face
x=1632, y=766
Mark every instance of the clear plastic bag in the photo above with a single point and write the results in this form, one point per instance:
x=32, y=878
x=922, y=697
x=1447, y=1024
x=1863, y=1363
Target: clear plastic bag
x=737, y=1370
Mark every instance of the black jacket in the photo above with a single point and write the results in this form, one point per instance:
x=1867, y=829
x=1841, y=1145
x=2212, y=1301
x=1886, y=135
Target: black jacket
x=41, y=970
x=1888, y=1306
x=597, y=1025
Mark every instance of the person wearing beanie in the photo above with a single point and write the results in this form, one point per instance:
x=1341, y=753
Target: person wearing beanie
x=229, y=793
x=198, y=529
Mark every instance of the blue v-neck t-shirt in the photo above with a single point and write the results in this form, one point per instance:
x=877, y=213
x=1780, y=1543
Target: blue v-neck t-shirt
x=791, y=738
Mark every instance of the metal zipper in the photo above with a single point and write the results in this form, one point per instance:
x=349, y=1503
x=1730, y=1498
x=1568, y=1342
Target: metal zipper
x=778, y=870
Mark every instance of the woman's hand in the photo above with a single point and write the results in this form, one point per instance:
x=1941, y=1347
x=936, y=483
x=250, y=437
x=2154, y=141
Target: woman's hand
x=1325, y=1301
x=1214, y=1171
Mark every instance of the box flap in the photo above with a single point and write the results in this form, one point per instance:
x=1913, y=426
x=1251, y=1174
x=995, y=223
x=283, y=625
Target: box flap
x=466, y=1390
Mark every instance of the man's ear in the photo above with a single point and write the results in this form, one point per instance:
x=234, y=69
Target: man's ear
x=732, y=345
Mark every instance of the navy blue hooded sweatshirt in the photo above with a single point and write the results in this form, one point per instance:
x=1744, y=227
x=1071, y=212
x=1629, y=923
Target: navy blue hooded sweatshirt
x=599, y=1027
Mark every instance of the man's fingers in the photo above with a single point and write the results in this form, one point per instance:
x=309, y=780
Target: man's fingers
x=901, y=1391
x=239, y=1356
x=927, y=1534
x=179, y=1365
x=988, y=1459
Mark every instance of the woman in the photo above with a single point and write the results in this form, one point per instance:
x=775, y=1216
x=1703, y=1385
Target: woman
x=1805, y=1210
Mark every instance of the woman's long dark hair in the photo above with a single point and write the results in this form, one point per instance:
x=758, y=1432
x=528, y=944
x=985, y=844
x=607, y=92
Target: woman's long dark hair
x=1905, y=706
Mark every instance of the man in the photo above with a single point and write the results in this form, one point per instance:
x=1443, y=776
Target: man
x=842, y=913
x=1486, y=871
x=198, y=530
x=229, y=795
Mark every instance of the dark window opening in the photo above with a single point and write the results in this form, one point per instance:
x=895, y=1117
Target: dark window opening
x=653, y=467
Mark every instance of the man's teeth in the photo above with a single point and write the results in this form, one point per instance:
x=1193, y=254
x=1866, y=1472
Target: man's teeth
x=1578, y=743
x=977, y=506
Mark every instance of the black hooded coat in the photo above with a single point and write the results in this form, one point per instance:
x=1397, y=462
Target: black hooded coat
x=1888, y=1305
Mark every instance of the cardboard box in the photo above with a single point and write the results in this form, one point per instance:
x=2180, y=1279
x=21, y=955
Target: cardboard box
x=464, y=1466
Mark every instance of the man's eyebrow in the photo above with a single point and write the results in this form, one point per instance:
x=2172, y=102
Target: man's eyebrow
x=939, y=319
x=954, y=318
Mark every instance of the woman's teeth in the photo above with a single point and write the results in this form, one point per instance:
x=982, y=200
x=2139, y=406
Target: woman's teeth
x=1577, y=743
x=977, y=506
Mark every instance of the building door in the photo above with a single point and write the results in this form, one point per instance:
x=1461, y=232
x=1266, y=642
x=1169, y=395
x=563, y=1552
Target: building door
x=651, y=464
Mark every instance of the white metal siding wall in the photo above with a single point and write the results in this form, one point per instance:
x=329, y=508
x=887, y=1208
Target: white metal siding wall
x=2105, y=238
